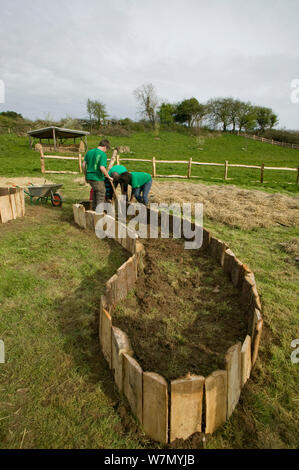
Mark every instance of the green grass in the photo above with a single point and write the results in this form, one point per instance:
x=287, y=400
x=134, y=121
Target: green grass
x=17, y=158
x=55, y=387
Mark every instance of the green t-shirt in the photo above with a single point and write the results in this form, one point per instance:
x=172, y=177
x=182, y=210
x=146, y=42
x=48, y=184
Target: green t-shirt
x=94, y=159
x=118, y=169
x=139, y=178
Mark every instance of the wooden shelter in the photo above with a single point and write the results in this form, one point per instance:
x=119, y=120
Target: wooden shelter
x=56, y=133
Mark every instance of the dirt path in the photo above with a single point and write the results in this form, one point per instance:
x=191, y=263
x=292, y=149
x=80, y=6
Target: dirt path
x=184, y=313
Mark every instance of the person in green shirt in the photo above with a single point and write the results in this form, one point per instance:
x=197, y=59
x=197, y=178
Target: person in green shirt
x=114, y=172
x=94, y=167
x=141, y=183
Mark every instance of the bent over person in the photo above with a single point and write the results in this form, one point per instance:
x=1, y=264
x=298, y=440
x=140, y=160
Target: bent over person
x=114, y=172
x=94, y=167
x=141, y=183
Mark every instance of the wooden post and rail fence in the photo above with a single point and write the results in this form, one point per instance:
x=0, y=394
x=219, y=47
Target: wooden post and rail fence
x=269, y=141
x=154, y=163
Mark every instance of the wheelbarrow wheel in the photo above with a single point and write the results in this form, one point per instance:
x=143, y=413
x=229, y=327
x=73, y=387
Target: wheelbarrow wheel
x=56, y=200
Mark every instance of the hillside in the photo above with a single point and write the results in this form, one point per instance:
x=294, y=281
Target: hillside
x=16, y=157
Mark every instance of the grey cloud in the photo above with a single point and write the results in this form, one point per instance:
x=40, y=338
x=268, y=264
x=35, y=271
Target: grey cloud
x=56, y=55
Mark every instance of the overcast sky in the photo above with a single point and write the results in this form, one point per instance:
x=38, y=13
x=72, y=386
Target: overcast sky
x=54, y=55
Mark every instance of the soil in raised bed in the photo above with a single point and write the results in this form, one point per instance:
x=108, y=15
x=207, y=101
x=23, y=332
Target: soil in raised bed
x=183, y=314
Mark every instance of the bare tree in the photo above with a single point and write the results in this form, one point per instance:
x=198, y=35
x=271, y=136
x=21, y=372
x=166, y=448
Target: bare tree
x=148, y=102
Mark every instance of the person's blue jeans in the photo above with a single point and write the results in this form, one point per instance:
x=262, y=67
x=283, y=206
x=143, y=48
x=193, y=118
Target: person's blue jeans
x=141, y=193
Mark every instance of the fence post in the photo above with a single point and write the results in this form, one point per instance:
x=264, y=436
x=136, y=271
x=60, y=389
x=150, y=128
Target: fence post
x=262, y=172
x=154, y=167
x=80, y=162
x=225, y=169
x=189, y=167
x=42, y=160
x=117, y=159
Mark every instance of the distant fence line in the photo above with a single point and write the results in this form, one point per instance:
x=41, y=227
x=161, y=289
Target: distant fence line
x=189, y=162
x=269, y=141
x=154, y=163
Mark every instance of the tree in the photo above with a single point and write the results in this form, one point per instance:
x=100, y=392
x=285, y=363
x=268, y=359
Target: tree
x=245, y=117
x=89, y=106
x=265, y=117
x=220, y=111
x=166, y=113
x=190, y=111
x=99, y=112
x=273, y=120
x=11, y=114
x=96, y=112
x=148, y=102
x=234, y=109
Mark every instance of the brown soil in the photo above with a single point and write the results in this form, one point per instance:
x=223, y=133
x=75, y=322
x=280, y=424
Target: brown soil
x=183, y=314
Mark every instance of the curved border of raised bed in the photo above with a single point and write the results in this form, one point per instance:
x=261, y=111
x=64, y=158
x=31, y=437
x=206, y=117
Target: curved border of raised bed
x=177, y=410
x=12, y=204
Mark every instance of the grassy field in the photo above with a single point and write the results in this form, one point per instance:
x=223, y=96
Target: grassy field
x=16, y=158
x=56, y=390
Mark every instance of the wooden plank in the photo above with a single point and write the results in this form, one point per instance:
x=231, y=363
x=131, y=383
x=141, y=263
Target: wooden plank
x=173, y=161
x=256, y=331
x=18, y=202
x=236, y=271
x=279, y=168
x=76, y=213
x=12, y=198
x=42, y=160
x=171, y=176
x=225, y=169
x=208, y=163
x=63, y=172
x=5, y=209
x=58, y=157
x=233, y=367
x=189, y=167
x=134, y=160
x=216, y=400
x=105, y=335
x=120, y=345
x=81, y=216
x=262, y=172
x=246, y=291
x=154, y=167
x=54, y=138
x=22, y=199
x=206, y=237
x=89, y=220
x=111, y=287
x=245, y=360
x=228, y=261
x=155, y=407
x=132, y=385
x=186, y=407
x=122, y=283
